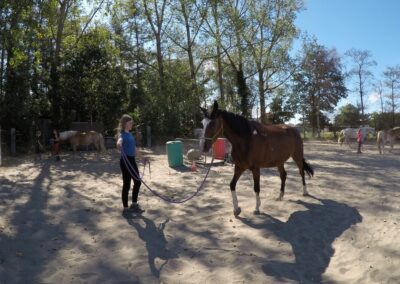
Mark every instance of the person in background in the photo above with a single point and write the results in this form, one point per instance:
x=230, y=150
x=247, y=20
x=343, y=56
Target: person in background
x=126, y=144
x=359, y=140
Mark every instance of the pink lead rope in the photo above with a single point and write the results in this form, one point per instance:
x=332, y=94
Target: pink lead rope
x=135, y=174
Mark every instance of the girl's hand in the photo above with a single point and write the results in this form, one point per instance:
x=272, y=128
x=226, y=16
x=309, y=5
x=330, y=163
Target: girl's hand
x=119, y=144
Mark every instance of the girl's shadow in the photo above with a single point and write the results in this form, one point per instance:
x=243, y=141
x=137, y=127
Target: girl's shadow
x=156, y=244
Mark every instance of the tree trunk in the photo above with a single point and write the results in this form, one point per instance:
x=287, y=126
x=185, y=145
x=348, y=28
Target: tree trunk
x=190, y=53
x=318, y=123
x=219, y=61
x=2, y=69
x=156, y=27
x=393, y=106
x=361, y=94
x=55, y=61
x=261, y=93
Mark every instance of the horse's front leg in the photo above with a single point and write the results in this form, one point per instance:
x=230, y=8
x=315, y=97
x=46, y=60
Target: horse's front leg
x=256, y=179
x=236, y=176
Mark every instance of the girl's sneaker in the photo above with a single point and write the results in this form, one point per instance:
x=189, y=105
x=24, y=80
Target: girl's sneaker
x=135, y=208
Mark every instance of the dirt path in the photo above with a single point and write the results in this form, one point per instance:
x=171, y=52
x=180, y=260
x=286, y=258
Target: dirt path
x=62, y=223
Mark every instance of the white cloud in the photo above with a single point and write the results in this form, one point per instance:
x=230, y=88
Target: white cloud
x=373, y=98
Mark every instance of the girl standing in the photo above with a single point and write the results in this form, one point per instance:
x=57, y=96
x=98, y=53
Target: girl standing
x=126, y=144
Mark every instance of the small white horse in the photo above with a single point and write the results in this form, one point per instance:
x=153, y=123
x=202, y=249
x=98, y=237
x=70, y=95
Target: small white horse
x=385, y=136
x=351, y=133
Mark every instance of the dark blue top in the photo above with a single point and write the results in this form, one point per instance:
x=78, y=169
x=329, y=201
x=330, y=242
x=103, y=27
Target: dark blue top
x=128, y=143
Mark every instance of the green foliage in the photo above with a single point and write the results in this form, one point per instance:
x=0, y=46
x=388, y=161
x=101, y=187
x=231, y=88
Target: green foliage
x=348, y=116
x=281, y=109
x=384, y=120
x=319, y=83
x=93, y=84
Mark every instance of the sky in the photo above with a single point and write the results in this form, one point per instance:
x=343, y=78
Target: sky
x=372, y=25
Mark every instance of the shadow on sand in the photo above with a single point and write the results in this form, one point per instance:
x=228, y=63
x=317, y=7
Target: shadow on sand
x=154, y=238
x=311, y=234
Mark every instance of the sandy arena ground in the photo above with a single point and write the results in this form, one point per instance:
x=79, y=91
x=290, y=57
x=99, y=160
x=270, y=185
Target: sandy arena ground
x=61, y=222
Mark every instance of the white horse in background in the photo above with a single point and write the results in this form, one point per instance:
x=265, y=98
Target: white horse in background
x=385, y=136
x=351, y=133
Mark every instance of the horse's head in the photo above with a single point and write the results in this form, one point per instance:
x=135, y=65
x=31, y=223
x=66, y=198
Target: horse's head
x=212, y=127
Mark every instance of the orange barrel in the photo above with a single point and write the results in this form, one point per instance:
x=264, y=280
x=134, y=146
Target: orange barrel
x=219, y=149
x=175, y=153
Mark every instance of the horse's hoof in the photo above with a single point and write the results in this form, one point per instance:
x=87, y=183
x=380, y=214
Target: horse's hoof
x=237, y=211
x=280, y=198
x=306, y=194
x=256, y=212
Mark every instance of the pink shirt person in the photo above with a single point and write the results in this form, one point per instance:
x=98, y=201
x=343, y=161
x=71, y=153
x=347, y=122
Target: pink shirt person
x=359, y=136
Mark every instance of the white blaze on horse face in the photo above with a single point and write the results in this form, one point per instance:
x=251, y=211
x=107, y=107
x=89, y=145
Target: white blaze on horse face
x=205, y=123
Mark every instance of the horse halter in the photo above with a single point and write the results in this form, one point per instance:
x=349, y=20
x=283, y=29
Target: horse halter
x=220, y=131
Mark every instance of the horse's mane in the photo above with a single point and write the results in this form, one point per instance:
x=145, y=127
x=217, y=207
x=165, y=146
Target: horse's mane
x=239, y=124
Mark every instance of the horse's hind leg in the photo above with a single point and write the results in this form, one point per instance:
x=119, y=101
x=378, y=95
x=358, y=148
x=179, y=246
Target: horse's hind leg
x=300, y=165
x=379, y=146
x=236, y=176
x=282, y=174
x=256, y=179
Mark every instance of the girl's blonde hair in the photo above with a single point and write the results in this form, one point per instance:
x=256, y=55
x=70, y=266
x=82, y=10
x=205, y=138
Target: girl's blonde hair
x=122, y=122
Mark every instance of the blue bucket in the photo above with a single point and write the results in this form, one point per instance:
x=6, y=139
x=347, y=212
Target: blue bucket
x=175, y=153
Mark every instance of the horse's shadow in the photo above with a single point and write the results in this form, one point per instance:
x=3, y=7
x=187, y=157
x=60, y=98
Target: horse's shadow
x=311, y=234
x=156, y=244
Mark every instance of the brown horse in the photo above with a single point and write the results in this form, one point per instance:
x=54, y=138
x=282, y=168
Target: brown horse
x=77, y=138
x=254, y=146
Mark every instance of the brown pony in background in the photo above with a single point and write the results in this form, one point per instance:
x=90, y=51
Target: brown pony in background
x=77, y=138
x=254, y=146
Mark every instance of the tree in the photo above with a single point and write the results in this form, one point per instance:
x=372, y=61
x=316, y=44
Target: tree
x=281, y=109
x=361, y=70
x=155, y=14
x=269, y=35
x=383, y=120
x=190, y=16
x=214, y=31
x=93, y=84
x=348, y=116
x=319, y=82
x=378, y=86
x=392, y=81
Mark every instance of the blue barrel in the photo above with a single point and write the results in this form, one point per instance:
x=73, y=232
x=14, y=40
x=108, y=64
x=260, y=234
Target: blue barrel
x=175, y=153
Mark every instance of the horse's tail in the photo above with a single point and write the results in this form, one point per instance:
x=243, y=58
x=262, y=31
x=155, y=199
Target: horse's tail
x=308, y=168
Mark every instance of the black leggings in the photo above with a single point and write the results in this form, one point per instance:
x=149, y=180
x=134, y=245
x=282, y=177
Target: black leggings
x=126, y=178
